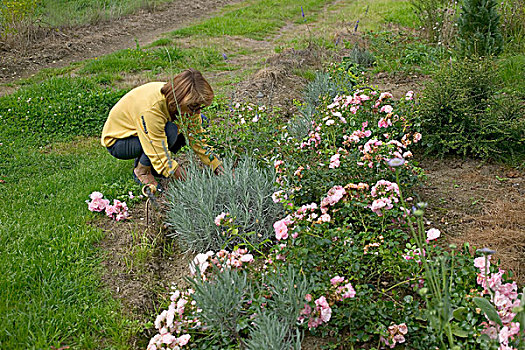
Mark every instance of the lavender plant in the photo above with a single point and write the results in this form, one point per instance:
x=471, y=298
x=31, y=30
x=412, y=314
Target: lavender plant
x=244, y=193
x=361, y=56
x=221, y=300
x=272, y=334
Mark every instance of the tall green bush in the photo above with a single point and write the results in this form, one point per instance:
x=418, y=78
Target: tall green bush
x=463, y=112
x=479, y=29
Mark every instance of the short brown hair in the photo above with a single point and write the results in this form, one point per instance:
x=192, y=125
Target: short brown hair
x=187, y=88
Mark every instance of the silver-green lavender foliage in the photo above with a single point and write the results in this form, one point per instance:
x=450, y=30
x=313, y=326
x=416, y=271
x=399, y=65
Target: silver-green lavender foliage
x=221, y=299
x=322, y=86
x=245, y=193
x=224, y=299
x=270, y=333
x=299, y=126
x=361, y=56
x=288, y=289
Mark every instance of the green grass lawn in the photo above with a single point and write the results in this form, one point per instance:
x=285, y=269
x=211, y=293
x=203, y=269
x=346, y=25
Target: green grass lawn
x=51, y=289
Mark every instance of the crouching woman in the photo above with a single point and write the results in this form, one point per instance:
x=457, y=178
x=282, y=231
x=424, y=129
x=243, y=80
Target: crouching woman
x=148, y=121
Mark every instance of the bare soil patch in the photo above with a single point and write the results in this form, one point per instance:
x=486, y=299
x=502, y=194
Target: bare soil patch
x=479, y=203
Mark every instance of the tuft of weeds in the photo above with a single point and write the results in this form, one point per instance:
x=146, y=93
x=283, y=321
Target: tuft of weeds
x=361, y=57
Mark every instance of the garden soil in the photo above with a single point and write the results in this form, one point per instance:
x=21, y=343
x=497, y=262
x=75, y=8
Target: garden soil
x=469, y=201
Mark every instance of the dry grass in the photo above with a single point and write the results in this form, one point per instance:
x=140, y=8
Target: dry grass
x=501, y=227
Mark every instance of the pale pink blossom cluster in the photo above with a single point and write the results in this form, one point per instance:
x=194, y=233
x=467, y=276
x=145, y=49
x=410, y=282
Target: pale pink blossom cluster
x=357, y=135
x=340, y=116
x=200, y=263
x=386, y=109
x=314, y=138
x=504, y=297
x=308, y=211
x=171, y=323
x=281, y=228
x=321, y=313
x=277, y=164
x=398, y=150
x=334, y=195
x=409, y=95
x=387, y=191
x=433, y=234
x=378, y=150
x=222, y=259
x=223, y=219
x=384, y=122
x=383, y=96
x=278, y=196
x=352, y=103
x=396, y=335
x=98, y=203
x=118, y=211
x=334, y=161
x=342, y=291
x=414, y=254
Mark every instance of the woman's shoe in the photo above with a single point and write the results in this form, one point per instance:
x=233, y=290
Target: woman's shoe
x=143, y=176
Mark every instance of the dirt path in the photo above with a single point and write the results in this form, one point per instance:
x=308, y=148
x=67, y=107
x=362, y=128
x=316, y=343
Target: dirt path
x=58, y=48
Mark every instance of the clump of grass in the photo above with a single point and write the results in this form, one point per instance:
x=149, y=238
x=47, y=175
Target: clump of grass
x=361, y=56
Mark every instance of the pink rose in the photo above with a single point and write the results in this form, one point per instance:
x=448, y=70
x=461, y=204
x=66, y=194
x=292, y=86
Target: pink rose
x=386, y=109
x=433, y=234
x=337, y=279
x=184, y=339
x=219, y=219
x=281, y=230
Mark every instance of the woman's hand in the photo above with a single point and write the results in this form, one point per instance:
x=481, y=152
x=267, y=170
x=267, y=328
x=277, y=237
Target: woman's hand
x=180, y=174
x=219, y=170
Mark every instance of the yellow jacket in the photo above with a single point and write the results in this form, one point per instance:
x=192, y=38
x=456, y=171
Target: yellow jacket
x=143, y=112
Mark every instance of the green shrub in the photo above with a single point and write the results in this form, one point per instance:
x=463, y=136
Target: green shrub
x=57, y=109
x=512, y=28
x=479, y=29
x=245, y=193
x=462, y=113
